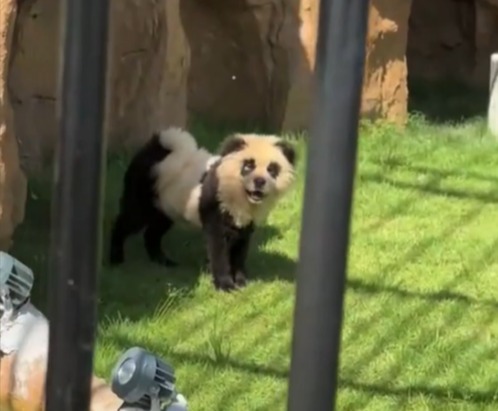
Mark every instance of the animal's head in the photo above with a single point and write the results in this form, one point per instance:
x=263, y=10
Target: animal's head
x=256, y=169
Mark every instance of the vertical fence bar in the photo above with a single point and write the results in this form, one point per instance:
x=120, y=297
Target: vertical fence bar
x=321, y=272
x=76, y=212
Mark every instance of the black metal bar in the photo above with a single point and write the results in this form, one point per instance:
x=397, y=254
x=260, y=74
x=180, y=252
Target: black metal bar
x=76, y=212
x=321, y=272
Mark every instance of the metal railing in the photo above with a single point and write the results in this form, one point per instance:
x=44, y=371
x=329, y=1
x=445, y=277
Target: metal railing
x=76, y=214
x=326, y=216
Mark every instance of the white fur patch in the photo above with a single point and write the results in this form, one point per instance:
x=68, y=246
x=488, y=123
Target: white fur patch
x=211, y=162
x=178, y=176
x=177, y=139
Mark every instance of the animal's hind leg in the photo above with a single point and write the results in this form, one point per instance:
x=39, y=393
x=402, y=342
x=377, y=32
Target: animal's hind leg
x=125, y=225
x=158, y=225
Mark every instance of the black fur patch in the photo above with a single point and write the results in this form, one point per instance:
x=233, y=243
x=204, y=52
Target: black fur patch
x=288, y=150
x=231, y=144
x=227, y=245
x=213, y=166
x=273, y=169
x=137, y=210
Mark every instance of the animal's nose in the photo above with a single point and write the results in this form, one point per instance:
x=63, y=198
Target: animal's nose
x=259, y=182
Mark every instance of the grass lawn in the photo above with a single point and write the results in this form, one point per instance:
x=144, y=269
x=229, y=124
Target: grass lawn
x=421, y=325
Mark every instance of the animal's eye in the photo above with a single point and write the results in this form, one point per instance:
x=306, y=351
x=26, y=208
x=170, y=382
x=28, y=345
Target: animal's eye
x=248, y=165
x=273, y=169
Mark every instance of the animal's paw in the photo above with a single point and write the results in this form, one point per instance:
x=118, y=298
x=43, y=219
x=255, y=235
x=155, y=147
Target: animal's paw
x=225, y=283
x=240, y=279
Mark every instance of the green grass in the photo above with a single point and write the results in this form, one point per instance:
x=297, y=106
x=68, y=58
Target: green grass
x=420, y=331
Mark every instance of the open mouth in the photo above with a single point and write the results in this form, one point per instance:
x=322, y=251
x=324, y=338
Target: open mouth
x=255, y=196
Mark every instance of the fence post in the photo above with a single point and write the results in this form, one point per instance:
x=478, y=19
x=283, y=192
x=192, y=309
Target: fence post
x=327, y=205
x=76, y=212
x=493, y=95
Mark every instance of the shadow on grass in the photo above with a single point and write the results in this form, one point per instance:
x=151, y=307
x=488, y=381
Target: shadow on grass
x=363, y=287
x=442, y=174
x=446, y=101
x=137, y=287
x=437, y=392
x=487, y=197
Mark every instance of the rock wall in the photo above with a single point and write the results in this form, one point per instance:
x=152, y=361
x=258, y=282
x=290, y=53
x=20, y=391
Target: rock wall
x=148, y=65
x=452, y=39
x=239, y=68
x=12, y=179
x=385, y=91
x=253, y=61
x=228, y=60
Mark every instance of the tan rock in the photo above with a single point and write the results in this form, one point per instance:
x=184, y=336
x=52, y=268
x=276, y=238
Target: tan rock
x=148, y=64
x=238, y=62
x=148, y=72
x=385, y=91
x=25, y=391
x=303, y=51
x=23, y=366
x=12, y=179
x=253, y=61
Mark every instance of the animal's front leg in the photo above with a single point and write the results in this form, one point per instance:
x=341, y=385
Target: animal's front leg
x=218, y=254
x=238, y=257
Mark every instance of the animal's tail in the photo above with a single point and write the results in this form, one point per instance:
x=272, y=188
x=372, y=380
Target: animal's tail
x=177, y=140
x=176, y=148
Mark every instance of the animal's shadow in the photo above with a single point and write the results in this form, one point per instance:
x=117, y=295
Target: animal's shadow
x=138, y=286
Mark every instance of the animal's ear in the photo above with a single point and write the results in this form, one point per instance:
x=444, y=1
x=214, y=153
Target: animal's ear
x=231, y=144
x=288, y=151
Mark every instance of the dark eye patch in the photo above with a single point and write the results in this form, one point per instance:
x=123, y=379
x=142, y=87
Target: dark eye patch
x=248, y=165
x=273, y=169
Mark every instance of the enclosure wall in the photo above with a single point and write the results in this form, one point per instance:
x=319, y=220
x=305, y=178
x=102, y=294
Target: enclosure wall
x=228, y=60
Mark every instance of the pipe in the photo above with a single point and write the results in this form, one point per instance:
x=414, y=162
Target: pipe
x=76, y=213
x=321, y=270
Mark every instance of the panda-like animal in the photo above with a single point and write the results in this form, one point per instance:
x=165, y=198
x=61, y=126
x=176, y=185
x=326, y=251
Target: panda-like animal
x=226, y=195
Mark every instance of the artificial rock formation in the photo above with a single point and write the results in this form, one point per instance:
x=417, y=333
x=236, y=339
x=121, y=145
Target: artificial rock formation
x=452, y=39
x=148, y=65
x=441, y=39
x=385, y=91
x=23, y=389
x=253, y=61
x=12, y=180
x=23, y=365
x=239, y=58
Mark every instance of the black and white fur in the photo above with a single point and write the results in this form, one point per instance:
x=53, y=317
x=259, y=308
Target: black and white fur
x=171, y=179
